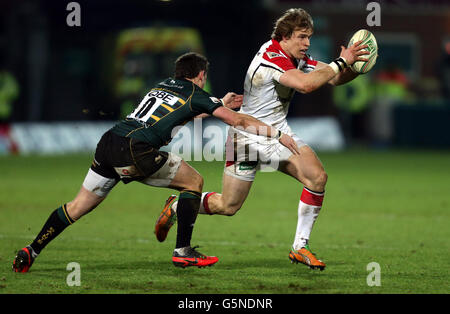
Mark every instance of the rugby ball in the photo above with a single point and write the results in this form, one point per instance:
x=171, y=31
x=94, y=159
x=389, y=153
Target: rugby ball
x=367, y=39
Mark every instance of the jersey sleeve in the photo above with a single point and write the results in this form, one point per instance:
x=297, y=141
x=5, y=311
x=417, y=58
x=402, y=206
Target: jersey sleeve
x=202, y=102
x=309, y=64
x=278, y=64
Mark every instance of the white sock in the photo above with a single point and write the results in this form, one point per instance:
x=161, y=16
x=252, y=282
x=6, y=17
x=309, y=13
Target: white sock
x=33, y=253
x=174, y=206
x=202, y=209
x=308, y=211
x=182, y=250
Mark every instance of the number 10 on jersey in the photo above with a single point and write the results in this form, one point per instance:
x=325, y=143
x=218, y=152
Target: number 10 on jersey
x=156, y=105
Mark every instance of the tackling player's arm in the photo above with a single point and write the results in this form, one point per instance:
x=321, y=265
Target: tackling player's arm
x=230, y=100
x=254, y=126
x=308, y=82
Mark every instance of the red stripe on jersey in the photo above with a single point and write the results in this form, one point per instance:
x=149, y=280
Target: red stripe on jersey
x=310, y=198
x=309, y=61
x=229, y=163
x=275, y=54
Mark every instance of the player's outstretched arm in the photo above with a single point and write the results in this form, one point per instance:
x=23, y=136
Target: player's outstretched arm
x=230, y=100
x=254, y=126
x=343, y=77
x=308, y=82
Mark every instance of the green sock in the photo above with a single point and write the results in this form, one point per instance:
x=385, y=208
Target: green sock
x=187, y=211
x=58, y=221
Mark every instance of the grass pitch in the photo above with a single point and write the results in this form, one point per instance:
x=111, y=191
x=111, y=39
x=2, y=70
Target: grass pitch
x=391, y=208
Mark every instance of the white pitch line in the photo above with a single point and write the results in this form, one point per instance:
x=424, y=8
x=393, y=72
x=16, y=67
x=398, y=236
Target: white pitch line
x=207, y=242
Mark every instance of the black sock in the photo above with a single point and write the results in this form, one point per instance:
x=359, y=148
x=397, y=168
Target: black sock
x=187, y=211
x=55, y=224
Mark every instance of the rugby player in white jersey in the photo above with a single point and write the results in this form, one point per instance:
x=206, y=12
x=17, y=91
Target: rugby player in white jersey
x=281, y=67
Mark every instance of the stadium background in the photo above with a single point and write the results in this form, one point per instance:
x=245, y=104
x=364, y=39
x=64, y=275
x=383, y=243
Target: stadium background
x=388, y=132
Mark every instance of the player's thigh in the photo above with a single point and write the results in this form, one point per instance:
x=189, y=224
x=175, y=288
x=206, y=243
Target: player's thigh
x=93, y=191
x=306, y=168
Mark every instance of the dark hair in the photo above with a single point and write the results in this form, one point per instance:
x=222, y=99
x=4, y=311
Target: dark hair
x=292, y=19
x=189, y=65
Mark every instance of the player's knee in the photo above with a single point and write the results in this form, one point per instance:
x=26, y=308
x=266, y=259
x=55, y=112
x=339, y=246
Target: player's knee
x=199, y=183
x=195, y=183
x=321, y=180
x=318, y=181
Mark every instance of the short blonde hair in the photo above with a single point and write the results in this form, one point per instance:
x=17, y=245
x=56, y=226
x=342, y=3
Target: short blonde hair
x=290, y=21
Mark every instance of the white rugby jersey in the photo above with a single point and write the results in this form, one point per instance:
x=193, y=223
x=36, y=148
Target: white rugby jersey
x=264, y=97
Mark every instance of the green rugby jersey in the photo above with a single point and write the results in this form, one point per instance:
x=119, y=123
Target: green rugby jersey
x=169, y=104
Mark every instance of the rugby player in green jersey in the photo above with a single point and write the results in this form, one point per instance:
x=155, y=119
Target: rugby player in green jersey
x=130, y=152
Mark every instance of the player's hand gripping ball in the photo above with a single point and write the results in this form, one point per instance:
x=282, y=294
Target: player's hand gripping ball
x=367, y=39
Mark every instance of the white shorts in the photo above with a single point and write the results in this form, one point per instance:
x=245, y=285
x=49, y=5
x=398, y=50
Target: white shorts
x=101, y=185
x=245, y=155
